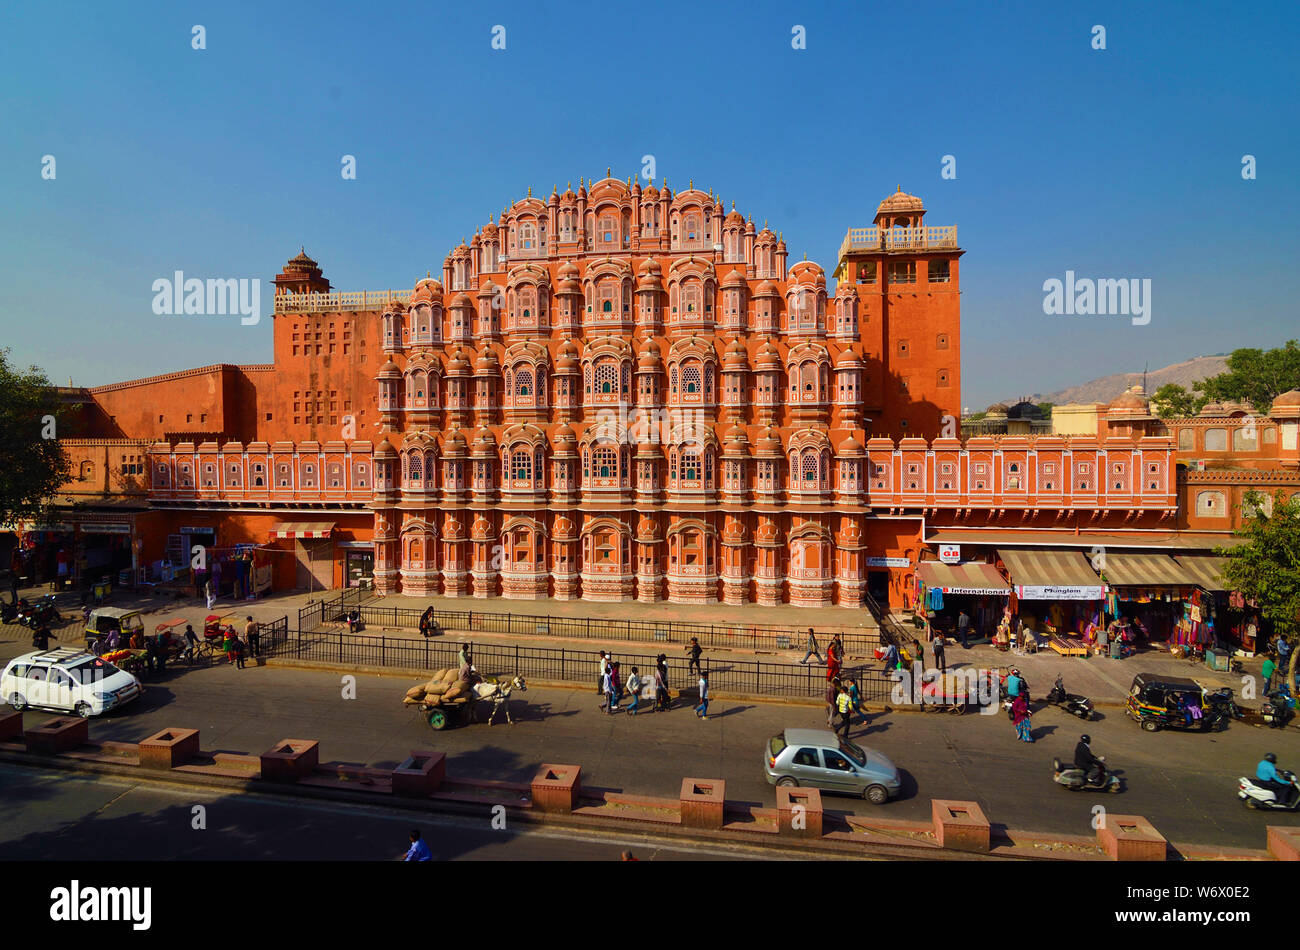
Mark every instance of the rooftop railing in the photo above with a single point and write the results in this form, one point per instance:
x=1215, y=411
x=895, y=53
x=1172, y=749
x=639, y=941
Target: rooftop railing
x=898, y=239
x=338, y=302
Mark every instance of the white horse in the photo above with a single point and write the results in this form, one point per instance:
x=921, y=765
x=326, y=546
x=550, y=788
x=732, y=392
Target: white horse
x=499, y=694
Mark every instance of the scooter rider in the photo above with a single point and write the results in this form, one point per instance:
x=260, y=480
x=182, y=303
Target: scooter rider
x=1093, y=768
x=1266, y=776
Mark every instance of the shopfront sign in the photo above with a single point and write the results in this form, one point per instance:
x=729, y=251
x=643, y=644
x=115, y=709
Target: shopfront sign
x=888, y=562
x=1059, y=593
x=950, y=553
x=105, y=529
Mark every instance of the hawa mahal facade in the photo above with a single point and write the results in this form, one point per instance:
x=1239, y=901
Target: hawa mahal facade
x=623, y=393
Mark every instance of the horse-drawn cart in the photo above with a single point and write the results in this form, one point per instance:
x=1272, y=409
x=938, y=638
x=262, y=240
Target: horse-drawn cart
x=440, y=713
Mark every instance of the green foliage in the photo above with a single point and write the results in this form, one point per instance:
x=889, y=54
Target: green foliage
x=34, y=464
x=1173, y=401
x=1266, y=568
x=1046, y=409
x=976, y=416
x=1256, y=376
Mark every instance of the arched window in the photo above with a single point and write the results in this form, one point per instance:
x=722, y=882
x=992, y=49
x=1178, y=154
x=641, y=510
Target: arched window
x=808, y=469
x=606, y=378
x=524, y=382
x=521, y=465
x=691, y=379
x=691, y=298
x=605, y=462
x=414, y=467
x=527, y=238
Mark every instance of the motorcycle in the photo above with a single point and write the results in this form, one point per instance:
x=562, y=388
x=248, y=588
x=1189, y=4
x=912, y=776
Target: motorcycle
x=1221, y=703
x=1077, y=779
x=43, y=613
x=9, y=612
x=1253, y=795
x=1278, y=709
x=1080, y=706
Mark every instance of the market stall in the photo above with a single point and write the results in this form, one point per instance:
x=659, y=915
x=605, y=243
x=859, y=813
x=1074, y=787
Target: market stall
x=973, y=587
x=1055, y=592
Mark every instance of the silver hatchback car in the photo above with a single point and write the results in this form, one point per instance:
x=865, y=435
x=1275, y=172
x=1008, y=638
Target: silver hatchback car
x=818, y=758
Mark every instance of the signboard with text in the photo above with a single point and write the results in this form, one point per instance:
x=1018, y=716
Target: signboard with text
x=1059, y=593
x=950, y=553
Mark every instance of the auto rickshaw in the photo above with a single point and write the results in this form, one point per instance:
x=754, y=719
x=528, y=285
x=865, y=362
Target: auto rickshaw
x=1158, y=702
x=103, y=622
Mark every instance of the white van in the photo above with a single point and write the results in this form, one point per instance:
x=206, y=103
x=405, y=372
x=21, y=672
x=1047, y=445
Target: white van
x=67, y=681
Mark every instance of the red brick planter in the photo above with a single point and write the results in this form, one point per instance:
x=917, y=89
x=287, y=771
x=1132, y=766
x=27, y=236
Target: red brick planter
x=11, y=726
x=290, y=759
x=420, y=775
x=59, y=735
x=1284, y=842
x=703, y=802
x=169, y=748
x=556, y=788
x=960, y=826
x=1131, y=838
x=809, y=800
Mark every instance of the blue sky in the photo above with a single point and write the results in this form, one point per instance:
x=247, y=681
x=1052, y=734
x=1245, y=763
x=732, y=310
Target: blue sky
x=1117, y=163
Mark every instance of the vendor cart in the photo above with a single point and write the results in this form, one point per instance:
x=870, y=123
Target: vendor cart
x=171, y=638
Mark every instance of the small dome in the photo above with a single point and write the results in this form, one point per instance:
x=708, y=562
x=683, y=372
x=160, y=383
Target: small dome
x=453, y=441
x=569, y=286
x=1289, y=399
x=563, y=528
x=385, y=449
x=736, y=356
x=389, y=370
x=427, y=290
x=489, y=289
x=568, y=271
x=736, y=436
x=1025, y=410
x=649, y=358
x=461, y=300
x=850, y=446
x=767, y=289
x=489, y=230
x=484, y=443
x=901, y=201
x=1132, y=399
x=734, y=217
x=486, y=362
x=997, y=409
x=848, y=359
x=734, y=279
x=770, y=442
x=768, y=355
x=563, y=434
x=458, y=362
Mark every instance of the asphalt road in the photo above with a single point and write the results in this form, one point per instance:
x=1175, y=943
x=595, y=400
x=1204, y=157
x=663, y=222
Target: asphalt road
x=1184, y=783
x=50, y=816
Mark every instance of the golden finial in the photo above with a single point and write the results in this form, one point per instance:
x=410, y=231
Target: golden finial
x=733, y=204
x=765, y=224
x=690, y=184
x=568, y=185
x=530, y=191
x=428, y=274
x=805, y=255
x=555, y=189
x=900, y=189
x=607, y=171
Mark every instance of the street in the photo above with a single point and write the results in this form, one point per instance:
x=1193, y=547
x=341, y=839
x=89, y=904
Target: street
x=1183, y=783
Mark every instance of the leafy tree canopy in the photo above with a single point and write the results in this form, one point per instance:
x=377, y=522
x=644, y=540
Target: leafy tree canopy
x=35, y=464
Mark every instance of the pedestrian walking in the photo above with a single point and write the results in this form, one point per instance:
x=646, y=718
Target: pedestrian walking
x=634, y=686
x=253, y=632
x=694, y=649
x=241, y=648
x=601, y=669
x=209, y=593
x=1020, y=716
x=662, y=700
x=938, y=645
x=41, y=638
x=702, y=710
x=228, y=644
x=418, y=851
x=834, y=657
x=616, y=682
x=424, y=625
x=854, y=695
x=609, y=703
x=191, y=643
x=1270, y=668
x=465, y=660
x=891, y=658
x=844, y=706
x=813, y=649
x=963, y=629
x=832, y=695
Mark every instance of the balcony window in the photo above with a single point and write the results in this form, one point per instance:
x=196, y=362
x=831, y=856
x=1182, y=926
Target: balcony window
x=902, y=272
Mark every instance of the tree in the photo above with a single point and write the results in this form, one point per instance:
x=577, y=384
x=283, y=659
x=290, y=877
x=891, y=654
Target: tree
x=1256, y=376
x=1046, y=409
x=35, y=464
x=1266, y=568
x=1172, y=400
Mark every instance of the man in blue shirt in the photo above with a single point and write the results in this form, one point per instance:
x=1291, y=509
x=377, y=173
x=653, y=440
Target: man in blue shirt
x=419, y=851
x=1266, y=776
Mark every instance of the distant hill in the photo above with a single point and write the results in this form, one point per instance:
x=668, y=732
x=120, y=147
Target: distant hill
x=1106, y=388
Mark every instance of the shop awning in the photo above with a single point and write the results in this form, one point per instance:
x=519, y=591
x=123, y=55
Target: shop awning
x=1170, y=541
x=1204, y=569
x=970, y=578
x=1144, y=570
x=303, y=529
x=1051, y=574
